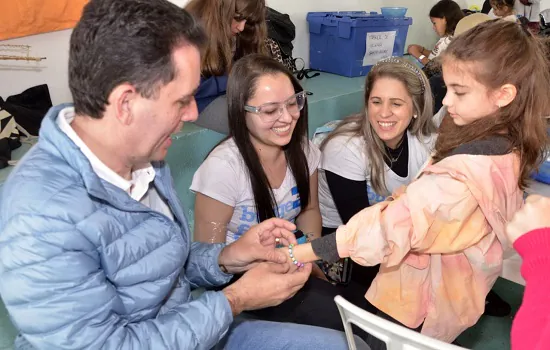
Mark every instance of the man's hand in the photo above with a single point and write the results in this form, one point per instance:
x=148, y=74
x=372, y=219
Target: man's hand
x=532, y=216
x=258, y=245
x=265, y=285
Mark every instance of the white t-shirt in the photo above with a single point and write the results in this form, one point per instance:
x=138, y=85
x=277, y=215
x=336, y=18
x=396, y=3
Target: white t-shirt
x=440, y=46
x=346, y=156
x=530, y=12
x=224, y=177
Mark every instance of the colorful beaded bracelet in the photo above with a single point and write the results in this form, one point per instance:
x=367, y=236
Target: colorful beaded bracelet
x=291, y=253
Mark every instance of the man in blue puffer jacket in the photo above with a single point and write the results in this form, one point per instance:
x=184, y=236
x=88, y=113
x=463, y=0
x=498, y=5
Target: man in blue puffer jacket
x=95, y=252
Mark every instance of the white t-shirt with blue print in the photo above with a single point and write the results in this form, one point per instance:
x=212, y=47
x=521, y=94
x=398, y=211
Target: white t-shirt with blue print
x=223, y=177
x=346, y=156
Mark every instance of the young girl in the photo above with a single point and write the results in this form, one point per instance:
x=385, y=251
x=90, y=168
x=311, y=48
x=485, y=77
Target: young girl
x=440, y=241
x=504, y=9
x=370, y=155
x=236, y=28
x=265, y=168
x=444, y=16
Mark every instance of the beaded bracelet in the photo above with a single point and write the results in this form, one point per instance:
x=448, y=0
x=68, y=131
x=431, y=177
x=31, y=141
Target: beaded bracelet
x=291, y=253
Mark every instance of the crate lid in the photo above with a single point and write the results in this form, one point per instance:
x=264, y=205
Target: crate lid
x=355, y=19
x=346, y=20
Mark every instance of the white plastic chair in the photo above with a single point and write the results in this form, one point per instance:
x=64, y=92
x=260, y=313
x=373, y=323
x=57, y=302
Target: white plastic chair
x=395, y=336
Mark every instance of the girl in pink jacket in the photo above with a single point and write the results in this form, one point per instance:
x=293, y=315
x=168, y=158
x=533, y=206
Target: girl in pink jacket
x=440, y=241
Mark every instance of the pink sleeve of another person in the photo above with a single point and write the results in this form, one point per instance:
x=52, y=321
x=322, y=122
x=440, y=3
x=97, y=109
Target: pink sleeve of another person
x=531, y=327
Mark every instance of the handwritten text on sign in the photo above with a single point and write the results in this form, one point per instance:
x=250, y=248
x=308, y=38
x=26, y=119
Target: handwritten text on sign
x=379, y=46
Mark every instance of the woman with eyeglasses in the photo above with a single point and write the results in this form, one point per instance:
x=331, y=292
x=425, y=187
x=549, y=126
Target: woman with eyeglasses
x=265, y=168
x=235, y=28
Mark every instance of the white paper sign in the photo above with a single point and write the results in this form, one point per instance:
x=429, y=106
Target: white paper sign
x=379, y=46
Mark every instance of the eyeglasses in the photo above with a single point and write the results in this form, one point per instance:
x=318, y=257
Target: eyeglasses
x=270, y=112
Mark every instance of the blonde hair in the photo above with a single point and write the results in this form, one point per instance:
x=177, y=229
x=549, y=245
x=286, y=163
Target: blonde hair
x=216, y=17
x=418, y=87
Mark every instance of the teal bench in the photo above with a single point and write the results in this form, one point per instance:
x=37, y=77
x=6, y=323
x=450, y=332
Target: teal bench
x=334, y=97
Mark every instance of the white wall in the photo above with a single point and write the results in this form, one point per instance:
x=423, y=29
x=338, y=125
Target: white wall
x=17, y=76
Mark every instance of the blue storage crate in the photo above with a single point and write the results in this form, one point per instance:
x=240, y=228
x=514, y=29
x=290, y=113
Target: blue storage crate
x=338, y=40
x=543, y=174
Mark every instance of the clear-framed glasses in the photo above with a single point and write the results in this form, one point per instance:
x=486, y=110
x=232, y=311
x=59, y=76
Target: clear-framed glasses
x=270, y=112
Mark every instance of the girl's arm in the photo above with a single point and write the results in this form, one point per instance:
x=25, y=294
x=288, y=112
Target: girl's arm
x=309, y=220
x=436, y=214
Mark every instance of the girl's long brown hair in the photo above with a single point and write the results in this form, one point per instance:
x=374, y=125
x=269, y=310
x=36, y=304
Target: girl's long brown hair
x=496, y=53
x=216, y=16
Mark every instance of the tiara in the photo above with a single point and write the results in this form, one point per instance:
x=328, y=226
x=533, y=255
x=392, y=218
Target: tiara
x=405, y=64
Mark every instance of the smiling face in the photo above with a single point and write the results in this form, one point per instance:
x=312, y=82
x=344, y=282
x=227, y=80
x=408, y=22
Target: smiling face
x=272, y=127
x=389, y=109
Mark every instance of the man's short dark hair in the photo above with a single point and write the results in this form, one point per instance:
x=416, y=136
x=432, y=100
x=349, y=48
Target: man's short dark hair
x=126, y=41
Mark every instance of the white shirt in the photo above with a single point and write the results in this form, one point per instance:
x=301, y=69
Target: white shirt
x=139, y=188
x=347, y=157
x=440, y=46
x=530, y=12
x=224, y=177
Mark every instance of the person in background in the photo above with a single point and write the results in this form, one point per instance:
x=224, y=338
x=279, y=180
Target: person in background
x=437, y=84
x=441, y=240
x=486, y=8
x=235, y=28
x=370, y=155
x=530, y=10
x=529, y=231
x=444, y=16
x=95, y=251
x=504, y=9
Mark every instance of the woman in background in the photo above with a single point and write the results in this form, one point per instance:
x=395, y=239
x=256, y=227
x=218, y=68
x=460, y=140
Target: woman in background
x=236, y=28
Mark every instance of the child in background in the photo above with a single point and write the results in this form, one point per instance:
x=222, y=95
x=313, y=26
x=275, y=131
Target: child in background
x=440, y=241
x=504, y=9
x=444, y=17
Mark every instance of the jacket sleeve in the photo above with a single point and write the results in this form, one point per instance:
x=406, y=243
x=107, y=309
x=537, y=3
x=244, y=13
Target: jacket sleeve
x=202, y=269
x=58, y=296
x=435, y=214
x=209, y=89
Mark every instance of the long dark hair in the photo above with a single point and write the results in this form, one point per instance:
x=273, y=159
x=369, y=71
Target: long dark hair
x=449, y=10
x=241, y=87
x=499, y=52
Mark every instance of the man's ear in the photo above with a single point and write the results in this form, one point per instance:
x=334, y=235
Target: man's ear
x=121, y=99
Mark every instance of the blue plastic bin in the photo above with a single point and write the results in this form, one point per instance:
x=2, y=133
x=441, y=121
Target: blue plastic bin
x=338, y=40
x=543, y=174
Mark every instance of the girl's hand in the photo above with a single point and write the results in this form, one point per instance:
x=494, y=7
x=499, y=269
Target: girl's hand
x=415, y=50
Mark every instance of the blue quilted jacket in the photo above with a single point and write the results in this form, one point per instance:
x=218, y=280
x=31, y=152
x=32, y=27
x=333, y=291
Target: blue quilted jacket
x=84, y=266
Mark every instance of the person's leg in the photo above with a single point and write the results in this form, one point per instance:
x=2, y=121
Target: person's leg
x=313, y=305
x=215, y=116
x=264, y=335
x=377, y=344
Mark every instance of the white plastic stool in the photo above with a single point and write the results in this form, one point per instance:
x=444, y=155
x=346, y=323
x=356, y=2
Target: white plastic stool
x=395, y=336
